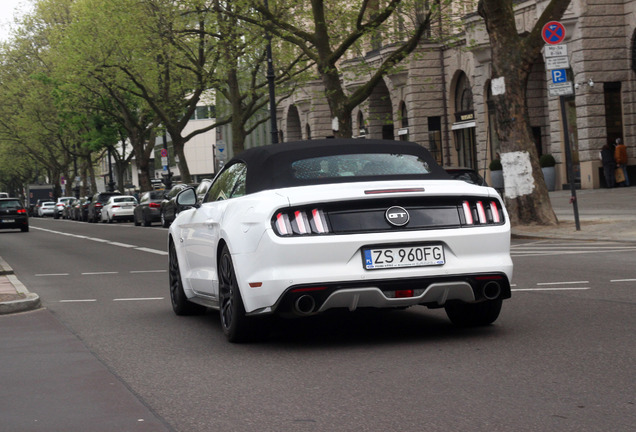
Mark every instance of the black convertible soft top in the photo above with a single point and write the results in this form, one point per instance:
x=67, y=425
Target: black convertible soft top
x=270, y=167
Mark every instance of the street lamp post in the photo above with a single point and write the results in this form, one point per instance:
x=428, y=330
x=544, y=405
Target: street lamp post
x=111, y=182
x=167, y=176
x=272, y=85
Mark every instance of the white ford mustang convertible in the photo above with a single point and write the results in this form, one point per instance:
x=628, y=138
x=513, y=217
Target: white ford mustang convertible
x=296, y=229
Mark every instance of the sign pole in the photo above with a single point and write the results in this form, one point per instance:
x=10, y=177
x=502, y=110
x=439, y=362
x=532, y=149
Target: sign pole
x=568, y=162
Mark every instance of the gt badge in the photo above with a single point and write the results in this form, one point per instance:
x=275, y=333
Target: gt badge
x=397, y=216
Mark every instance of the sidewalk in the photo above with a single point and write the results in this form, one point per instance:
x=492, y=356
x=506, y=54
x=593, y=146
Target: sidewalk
x=604, y=215
x=14, y=296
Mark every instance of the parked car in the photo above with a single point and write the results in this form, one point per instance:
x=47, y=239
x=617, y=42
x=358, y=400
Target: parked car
x=81, y=211
x=67, y=212
x=119, y=208
x=97, y=202
x=149, y=208
x=467, y=174
x=46, y=208
x=13, y=215
x=302, y=228
x=203, y=187
x=59, y=206
x=168, y=211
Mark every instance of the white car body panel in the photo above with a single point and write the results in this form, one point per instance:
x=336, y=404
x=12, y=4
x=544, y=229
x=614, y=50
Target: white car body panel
x=275, y=263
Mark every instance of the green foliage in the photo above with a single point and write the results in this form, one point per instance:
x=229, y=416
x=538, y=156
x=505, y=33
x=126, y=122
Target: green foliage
x=547, y=161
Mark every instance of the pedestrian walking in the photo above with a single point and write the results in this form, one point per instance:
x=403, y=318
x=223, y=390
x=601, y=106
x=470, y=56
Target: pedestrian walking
x=620, y=157
x=609, y=165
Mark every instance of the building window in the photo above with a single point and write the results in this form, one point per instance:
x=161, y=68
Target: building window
x=613, y=110
x=435, y=139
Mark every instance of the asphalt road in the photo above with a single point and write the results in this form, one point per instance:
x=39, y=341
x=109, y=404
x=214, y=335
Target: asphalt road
x=560, y=357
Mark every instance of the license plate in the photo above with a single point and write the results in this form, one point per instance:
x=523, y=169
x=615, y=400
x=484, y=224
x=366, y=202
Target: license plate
x=405, y=256
x=8, y=220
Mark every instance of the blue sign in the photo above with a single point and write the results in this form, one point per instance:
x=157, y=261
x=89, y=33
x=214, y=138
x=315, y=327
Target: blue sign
x=558, y=76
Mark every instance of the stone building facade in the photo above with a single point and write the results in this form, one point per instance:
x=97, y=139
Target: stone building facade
x=439, y=98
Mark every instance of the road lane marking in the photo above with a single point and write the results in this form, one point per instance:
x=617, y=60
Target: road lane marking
x=95, y=239
x=78, y=301
x=98, y=273
x=563, y=283
x=552, y=289
x=138, y=299
x=148, y=271
x=622, y=280
x=154, y=251
x=50, y=274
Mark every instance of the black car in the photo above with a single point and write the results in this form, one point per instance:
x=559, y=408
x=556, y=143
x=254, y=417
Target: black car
x=149, y=208
x=467, y=174
x=169, y=207
x=82, y=211
x=97, y=202
x=13, y=214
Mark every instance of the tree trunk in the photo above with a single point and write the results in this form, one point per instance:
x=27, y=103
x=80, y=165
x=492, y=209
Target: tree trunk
x=527, y=198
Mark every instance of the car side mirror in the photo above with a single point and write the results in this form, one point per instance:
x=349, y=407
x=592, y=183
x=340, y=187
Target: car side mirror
x=187, y=198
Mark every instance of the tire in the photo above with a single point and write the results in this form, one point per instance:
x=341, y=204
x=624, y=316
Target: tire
x=164, y=222
x=473, y=314
x=135, y=221
x=24, y=229
x=235, y=324
x=147, y=222
x=180, y=303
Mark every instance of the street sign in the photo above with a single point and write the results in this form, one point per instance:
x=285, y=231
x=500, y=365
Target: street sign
x=560, y=89
x=557, y=63
x=220, y=146
x=164, y=152
x=164, y=161
x=555, y=50
x=553, y=33
x=558, y=76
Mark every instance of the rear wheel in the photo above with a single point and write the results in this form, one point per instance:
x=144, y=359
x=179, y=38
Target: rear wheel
x=180, y=303
x=473, y=314
x=24, y=228
x=164, y=222
x=135, y=221
x=236, y=326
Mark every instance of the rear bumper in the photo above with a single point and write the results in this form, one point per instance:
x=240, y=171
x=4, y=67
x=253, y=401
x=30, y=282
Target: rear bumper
x=16, y=222
x=330, y=268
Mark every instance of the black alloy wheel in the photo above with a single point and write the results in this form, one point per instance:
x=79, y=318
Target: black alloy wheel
x=235, y=324
x=180, y=303
x=164, y=222
x=473, y=314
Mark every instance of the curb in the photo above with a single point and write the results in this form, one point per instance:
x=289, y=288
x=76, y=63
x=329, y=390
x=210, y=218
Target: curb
x=31, y=300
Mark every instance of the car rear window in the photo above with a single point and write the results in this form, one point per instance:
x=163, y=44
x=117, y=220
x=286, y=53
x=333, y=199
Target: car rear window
x=10, y=204
x=359, y=165
x=124, y=199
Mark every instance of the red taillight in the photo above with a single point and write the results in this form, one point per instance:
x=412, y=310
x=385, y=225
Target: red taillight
x=154, y=205
x=300, y=222
x=21, y=211
x=115, y=206
x=283, y=226
x=403, y=293
x=477, y=213
x=495, y=212
x=98, y=204
x=468, y=214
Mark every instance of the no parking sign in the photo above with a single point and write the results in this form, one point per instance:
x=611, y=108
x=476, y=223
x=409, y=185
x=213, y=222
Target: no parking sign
x=553, y=33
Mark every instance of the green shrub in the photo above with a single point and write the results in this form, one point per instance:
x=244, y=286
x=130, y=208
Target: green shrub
x=546, y=161
x=495, y=165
